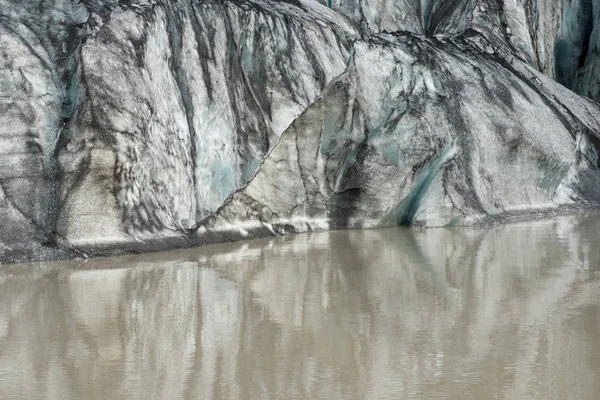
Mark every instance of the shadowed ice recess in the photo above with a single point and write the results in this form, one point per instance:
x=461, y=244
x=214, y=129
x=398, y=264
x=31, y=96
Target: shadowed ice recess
x=510, y=312
x=139, y=125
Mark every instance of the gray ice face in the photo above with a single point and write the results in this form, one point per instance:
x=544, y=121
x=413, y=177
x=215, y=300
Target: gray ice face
x=428, y=132
x=147, y=124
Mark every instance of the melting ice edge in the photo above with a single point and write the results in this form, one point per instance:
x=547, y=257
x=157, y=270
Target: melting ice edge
x=139, y=125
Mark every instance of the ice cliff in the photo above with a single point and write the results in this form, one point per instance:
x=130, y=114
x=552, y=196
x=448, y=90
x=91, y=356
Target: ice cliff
x=138, y=125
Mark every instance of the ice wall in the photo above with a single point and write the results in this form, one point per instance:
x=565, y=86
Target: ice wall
x=127, y=124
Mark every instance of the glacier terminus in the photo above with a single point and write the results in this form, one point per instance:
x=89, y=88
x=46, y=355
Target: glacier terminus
x=142, y=125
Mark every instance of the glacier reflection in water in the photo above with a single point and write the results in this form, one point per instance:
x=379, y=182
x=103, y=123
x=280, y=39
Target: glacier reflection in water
x=508, y=312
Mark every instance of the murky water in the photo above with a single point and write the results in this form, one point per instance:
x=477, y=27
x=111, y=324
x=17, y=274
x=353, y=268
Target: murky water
x=511, y=312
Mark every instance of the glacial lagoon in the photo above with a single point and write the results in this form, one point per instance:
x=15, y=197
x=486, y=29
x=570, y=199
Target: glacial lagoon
x=506, y=312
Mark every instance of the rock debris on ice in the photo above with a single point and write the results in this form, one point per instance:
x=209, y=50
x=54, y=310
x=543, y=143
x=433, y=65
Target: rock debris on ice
x=151, y=124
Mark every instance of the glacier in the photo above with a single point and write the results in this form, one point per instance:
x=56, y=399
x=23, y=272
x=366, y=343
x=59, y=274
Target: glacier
x=143, y=125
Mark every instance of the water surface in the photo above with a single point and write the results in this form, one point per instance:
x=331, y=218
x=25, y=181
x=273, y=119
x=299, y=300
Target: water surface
x=510, y=312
